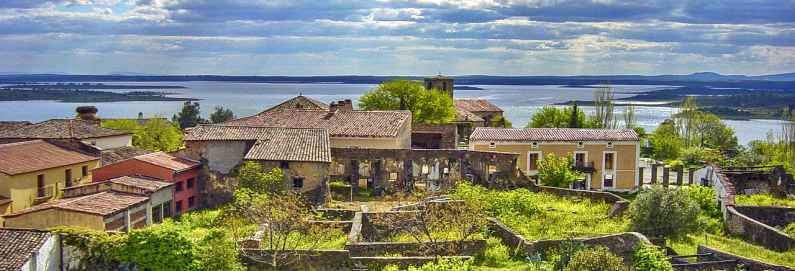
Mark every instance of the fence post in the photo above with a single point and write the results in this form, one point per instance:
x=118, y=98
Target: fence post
x=640, y=175
x=690, y=175
x=665, y=180
x=654, y=173
x=680, y=172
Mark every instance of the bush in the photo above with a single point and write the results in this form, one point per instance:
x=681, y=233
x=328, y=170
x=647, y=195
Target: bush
x=648, y=257
x=595, y=259
x=790, y=229
x=664, y=213
x=704, y=196
x=557, y=171
x=251, y=175
x=764, y=200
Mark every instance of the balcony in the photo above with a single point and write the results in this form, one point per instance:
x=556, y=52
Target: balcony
x=584, y=167
x=45, y=193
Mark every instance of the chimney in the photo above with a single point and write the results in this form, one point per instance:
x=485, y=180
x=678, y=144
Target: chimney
x=87, y=113
x=347, y=105
x=333, y=107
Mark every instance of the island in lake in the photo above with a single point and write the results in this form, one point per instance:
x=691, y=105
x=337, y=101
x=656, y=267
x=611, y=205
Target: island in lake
x=87, y=93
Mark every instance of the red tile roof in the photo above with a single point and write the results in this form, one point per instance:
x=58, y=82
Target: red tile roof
x=103, y=203
x=4, y=200
x=30, y=156
x=476, y=105
x=168, y=161
x=340, y=123
x=271, y=143
x=17, y=245
x=299, y=102
x=553, y=134
x=143, y=183
x=61, y=129
x=115, y=155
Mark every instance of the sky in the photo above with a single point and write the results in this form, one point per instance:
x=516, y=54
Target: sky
x=397, y=37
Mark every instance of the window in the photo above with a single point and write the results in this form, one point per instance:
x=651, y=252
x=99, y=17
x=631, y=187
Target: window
x=608, y=182
x=68, y=177
x=191, y=202
x=580, y=145
x=40, y=185
x=535, y=145
x=298, y=182
x=610, y=161
x=178, y=206
x=532, y=161
x=190, y=183
x=609, y=145
x=85, y=171
x=492, y=145
x=178, y=186
x=156, y=214
x=284, y=165
x=167, y=209
x=579, y=159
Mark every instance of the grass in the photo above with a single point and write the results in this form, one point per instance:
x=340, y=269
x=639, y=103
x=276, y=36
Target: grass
x=733, y=245
x=331, y=239
x=764, y=200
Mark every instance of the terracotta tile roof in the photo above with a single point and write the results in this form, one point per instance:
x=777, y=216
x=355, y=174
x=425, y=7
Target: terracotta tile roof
x=4, y=200
x=340, y=123
x=144, y=183
x=9, y=125
x=30, y=156
x=553, y=134
x=168, y=161
x=61, y=129
x=17, y=245
x=476, y=105
x=299, y=102
x=103, y=203
x=463, y=115
x=115, y=155
x=271, y=143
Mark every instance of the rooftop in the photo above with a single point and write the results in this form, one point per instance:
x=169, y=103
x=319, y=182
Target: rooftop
x=35, y=155
x=60, y=129
x=340, y=123
x=115, y=155
x=476, y=105
x=143, y=183
x=103, y=203
x=299, y=102
x=168, y=161
x=553, y=134
x=271, y=143
x=17, y=245
x=8, y=125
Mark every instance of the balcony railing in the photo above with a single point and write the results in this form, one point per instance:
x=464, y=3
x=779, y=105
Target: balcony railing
x=45, y=192
x=586, y=167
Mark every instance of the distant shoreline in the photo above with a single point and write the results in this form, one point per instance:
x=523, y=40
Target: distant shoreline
x=85, y=96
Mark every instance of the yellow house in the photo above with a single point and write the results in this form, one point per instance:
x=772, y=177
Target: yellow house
x=608, y=157
x=33, y=172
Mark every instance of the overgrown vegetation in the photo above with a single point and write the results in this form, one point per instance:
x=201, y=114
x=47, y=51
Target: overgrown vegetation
x=687, y=246
x=426, y=105
x=540, y=216
x=595, y=259
x=664, y=213
x=647, y=257
x=557, y=171
x=764, y=200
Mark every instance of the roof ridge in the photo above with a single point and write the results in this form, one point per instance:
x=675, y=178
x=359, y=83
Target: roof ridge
x=7, y=145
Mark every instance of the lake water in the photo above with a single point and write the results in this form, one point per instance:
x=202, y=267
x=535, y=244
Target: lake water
x=519, y=102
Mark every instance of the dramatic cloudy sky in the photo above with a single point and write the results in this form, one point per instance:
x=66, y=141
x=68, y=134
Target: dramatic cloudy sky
x=397, y=37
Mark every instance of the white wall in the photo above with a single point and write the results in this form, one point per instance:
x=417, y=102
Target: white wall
x=223, y=156
x=110, y=142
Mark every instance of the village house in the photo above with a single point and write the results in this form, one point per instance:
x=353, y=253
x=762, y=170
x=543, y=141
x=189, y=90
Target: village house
x=609, y=158
x=118, y=204
x=170, y=168
x=29, y=250
x=33, y=172
x=86, y=129
x=470, y=113
x=304, y=155
x=347, y=128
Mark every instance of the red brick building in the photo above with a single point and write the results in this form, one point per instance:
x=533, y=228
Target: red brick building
x=182, y=172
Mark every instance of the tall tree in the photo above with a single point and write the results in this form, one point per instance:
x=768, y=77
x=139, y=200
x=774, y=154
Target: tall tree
x=189, y=116
x=630, y=122
x=574, y=120
x=553, y=117
x=426, y=106
x=604, y=116
x=686, y=119
x=157, y=134
x=221, y=114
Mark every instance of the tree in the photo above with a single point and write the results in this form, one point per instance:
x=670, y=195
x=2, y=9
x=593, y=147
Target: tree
x=630, y=122
x=221, y=114
x=557, y=171
x=189, y=116
x=604, y=116
x=157, y=134
x=664, y=213
x=665, y=142
x=553, y=117
x=252, y=176
x=426, y=106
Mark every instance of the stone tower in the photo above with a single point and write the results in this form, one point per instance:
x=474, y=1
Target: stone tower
x=441, y=83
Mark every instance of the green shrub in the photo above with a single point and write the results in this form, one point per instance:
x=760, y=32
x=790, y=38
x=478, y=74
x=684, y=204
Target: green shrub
x=566, y=252
x=338, y=184
x=252, y=175
x=557, y=171
x=161, y=247
x=445, y=264
x=704, y=196
x=595, y=259
x=790, y=229
x=764, y=200
x=648, y=257
x=664, y=213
